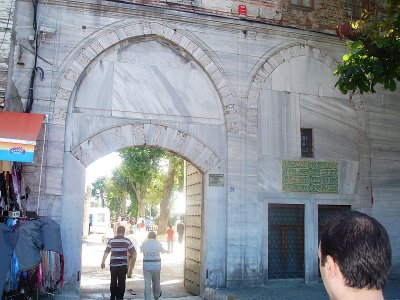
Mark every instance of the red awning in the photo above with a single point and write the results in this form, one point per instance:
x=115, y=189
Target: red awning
x=23, y=128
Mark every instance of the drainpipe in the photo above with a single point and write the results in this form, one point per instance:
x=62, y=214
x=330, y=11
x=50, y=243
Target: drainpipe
x=35, y=67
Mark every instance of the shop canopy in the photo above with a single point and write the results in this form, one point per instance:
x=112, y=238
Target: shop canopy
x=18, y=134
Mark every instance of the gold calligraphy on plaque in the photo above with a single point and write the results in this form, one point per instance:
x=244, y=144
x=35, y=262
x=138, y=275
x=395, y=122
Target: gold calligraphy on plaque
x=310, y=177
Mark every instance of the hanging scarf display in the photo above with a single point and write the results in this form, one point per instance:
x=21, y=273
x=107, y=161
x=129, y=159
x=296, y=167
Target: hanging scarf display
x=51, y=271
x=47, y=275
x=16, y=180
x=44, y=277
x=3, y=189
x=14, y=273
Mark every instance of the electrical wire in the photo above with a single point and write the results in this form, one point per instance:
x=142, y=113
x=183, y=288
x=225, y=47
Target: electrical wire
x=35, y=68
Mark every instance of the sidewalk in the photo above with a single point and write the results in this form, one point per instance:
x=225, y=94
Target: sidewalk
x=95, y=281
x=289, y=290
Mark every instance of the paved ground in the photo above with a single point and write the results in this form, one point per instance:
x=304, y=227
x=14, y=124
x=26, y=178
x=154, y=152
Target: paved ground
x=295, y=290
x=95, y=281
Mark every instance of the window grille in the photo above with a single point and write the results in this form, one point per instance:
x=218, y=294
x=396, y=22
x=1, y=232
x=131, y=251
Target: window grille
x=303, y=3
x=325, y=212
x=355, y=8
x=307, y=142
x=285, y=241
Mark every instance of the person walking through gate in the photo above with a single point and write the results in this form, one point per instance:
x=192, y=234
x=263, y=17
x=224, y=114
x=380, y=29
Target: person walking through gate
x=119, y=246
x=132, y=258
x=180, y=228
x=170, y=239
x=354, y=257
x=151, y=249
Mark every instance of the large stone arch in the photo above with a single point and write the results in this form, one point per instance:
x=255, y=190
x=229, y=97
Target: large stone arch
x=276, y=58
x=74, y=65
x=133, y=132
x=145, y=134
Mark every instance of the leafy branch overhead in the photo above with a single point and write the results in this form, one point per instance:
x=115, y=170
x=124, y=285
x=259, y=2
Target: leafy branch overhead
x=374, y=58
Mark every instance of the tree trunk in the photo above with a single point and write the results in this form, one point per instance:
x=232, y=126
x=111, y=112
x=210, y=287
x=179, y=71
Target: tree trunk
x=122, y=209
x=141, y=211
x=140, y=202
x=141, y=206
x=164, y=204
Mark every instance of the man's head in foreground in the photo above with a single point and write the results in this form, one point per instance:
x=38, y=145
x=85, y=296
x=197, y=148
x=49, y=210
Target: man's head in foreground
x=355, y=257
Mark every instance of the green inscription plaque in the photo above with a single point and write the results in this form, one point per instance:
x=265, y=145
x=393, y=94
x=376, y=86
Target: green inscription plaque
x=310, y=177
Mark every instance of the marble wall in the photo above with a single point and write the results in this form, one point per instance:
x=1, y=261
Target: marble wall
x=6, y=23
x=229, y=96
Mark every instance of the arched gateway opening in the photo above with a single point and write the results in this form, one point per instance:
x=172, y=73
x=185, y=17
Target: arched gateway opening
x=148, y=91
x=180, y=275
x=194, y=193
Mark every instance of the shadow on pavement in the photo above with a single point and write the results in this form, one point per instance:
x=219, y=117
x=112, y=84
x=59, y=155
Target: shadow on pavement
x=95, y=282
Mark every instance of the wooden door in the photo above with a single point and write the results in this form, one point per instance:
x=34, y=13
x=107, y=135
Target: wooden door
x=193, y=229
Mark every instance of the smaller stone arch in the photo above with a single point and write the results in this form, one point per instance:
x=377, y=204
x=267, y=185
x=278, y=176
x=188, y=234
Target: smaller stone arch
x=272, y=62
x=142, y=134
x=93, y=46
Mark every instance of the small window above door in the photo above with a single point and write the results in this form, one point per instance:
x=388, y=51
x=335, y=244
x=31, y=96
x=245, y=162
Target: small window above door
x=306, y=142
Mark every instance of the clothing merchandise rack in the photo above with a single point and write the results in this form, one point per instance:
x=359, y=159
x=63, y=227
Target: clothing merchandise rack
x=29, y=288
x=45, y=277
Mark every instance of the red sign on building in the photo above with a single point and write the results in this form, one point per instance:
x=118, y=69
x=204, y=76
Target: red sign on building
x=242, y=11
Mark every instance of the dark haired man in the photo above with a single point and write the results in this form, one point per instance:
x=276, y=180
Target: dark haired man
x=180, y=228
x=355, y=257
x=119, y=246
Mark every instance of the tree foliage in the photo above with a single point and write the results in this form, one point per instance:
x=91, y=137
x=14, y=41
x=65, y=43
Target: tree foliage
x=139, y=166
x=116, y=194
x=374, y=56
x=148, y=177
x=99, y=189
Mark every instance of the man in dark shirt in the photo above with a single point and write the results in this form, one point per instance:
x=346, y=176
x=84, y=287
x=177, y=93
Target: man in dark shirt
x=119, y=246
x=180, y=228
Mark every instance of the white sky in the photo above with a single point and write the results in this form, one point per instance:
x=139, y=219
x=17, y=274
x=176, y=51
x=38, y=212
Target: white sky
x=102, y=167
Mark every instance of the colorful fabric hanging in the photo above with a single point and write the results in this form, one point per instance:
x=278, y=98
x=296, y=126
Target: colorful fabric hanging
x=46, y=276
x=16, y=180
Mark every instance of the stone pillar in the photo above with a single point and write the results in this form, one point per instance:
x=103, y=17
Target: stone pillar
x=310, y=242
x=72, y=221
x=214, y=219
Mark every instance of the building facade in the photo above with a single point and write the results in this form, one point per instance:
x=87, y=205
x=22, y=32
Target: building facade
x=243, y=91
x=6, y=22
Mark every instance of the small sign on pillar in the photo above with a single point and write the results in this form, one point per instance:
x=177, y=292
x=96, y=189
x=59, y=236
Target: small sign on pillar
x=242, y=10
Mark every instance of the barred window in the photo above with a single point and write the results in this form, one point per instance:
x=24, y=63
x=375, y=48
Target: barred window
x=306, y=142
x=303, y=3
x=355, y=8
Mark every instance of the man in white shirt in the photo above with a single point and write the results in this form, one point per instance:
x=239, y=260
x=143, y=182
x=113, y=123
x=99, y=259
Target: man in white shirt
x=151, y=249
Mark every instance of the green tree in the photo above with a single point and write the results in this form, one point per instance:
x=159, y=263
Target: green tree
x=374, y=56
x=132, y=209
x=99, y=189
x=116, y=195
x=139, y=165
x=173, y=182
x=148, y=177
